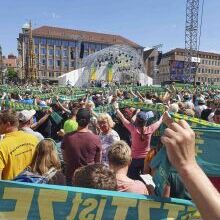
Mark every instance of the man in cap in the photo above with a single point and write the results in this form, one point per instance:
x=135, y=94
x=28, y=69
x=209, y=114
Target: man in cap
x=82, y=147
x=200, y=107
x=17, y=147
x=25, y=122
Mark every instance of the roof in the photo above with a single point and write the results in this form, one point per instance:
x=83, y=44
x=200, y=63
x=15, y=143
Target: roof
x=68, y=34
x=147, y=53
x=181, y=50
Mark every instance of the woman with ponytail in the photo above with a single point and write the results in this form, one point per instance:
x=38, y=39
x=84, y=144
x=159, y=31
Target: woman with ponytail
x=140, y=140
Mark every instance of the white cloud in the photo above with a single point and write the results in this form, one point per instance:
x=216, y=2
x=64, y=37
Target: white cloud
x=52, y=15
x=55, y=16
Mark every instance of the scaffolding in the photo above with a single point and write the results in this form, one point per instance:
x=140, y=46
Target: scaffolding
x=191, y=39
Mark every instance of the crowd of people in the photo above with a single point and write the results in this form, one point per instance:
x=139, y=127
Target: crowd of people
x=69, y=143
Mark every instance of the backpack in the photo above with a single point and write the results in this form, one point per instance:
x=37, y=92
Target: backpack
x=29, y=177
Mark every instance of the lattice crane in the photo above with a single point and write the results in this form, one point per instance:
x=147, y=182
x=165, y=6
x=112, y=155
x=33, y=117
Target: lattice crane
x=191, y=39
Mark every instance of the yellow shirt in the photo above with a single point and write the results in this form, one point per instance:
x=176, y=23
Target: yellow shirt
x=16, y=152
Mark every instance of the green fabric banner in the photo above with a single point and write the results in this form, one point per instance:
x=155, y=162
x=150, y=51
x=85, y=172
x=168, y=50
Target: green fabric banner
x=48, y=202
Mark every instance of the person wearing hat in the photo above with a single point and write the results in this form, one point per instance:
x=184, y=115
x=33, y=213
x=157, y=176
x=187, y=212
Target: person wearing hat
x=16, y=149
x=187, y=101
x=25, y=122
x=140, y=138
x=200, y=107
x=82, y=147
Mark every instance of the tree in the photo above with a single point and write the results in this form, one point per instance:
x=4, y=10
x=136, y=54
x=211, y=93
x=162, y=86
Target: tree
x=11, y=73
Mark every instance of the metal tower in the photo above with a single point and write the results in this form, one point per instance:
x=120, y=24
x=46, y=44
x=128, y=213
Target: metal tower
x=191, y=39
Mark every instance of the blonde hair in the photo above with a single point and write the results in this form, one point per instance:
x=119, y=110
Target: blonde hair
x=90, y=104
x=45, y=157
x=106, y=116
x=119, y=154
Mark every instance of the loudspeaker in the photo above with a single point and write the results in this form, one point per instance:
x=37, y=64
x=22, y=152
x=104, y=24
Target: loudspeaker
x=81, y=50
x=160, y=55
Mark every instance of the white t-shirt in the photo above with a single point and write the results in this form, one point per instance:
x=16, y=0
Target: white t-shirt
x=199, y=109
x=107, y=140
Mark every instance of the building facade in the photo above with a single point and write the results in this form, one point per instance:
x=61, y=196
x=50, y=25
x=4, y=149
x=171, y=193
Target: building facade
x=10, y=61
x=171, y=67
x=58, y=50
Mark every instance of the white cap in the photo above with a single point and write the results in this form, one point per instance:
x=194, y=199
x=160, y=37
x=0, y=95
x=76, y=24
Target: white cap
x=26, y=115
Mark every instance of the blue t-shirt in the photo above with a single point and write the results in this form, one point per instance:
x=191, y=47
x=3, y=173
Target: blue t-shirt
x=28, y=101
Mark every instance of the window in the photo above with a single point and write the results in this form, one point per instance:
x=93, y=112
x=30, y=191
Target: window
x=203, y=70
x=104, y=46
x=50, y=51
x=72, y=44
x=58, y=42
x=50, y=62
x=212, y=71
x=43, y=41
x=92, y=46
x=65, y=43
x=98, y=47
x=65, y=52
x=43, y=51
x=58, y=74
x=36, y=51
x=36, y=61
x=36, y=40
x=51, y=42
x=86, y=46
x=43, y=74
x=58, y=63
x=210, y=62
x=43, y=62
x=51, y=74
x=65, y=63
x=57, y=52
x=73, y=64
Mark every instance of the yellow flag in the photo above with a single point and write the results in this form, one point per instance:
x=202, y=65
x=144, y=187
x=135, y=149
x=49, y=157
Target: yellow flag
x=109, y=76
x=93, y=73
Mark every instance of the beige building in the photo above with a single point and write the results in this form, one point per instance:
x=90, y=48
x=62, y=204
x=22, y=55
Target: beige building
x=58, y=50
x=10, y=61
x=171, y=66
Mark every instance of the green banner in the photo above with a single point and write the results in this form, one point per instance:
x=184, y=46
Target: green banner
x=18, y=106
x=33, y=201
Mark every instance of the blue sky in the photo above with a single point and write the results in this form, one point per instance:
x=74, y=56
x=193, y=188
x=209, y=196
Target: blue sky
x=147, y=22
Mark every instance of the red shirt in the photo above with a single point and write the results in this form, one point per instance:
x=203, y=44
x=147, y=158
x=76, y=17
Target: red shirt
x=216, y=182
x=80, y=149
